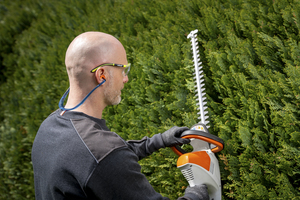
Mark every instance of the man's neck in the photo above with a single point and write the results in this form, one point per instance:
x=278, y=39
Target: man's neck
x=91, y=106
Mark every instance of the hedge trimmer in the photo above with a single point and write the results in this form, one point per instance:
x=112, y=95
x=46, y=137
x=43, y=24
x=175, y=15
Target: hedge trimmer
x=201, y=165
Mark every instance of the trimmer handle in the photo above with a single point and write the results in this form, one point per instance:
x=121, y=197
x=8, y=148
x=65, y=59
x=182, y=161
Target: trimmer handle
x=200, y=135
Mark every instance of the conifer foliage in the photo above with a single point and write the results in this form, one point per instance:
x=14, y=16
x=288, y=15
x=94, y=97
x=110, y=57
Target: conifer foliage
x=250, y=53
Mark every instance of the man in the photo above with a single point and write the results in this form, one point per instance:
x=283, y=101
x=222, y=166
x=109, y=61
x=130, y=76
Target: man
x=74, y=155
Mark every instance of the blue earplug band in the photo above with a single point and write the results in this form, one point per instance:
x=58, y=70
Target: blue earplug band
x=61, y=102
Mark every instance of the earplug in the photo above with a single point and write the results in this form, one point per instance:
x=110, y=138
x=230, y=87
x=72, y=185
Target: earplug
x=102, y=76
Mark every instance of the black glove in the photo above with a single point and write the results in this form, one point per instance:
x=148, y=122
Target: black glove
x=172, y=137
x=198, y=192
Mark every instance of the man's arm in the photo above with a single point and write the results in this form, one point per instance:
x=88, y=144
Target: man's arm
x=118, y=176
x=147, y=146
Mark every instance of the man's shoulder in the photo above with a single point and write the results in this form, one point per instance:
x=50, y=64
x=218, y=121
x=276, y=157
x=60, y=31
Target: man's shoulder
x=99, y=142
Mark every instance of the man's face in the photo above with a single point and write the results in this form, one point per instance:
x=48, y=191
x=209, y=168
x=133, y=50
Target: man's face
x=117, y=79
x=112, y=92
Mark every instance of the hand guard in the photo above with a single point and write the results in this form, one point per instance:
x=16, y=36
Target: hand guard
x=172, y=137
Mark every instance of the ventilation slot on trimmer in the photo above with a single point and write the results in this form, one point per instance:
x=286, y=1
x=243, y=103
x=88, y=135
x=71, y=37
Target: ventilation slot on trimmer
x=188, y=174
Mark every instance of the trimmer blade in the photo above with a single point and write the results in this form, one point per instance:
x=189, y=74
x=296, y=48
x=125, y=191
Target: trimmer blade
x=200, y=94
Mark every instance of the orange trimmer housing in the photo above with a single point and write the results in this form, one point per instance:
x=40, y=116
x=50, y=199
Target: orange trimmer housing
x=200, y=158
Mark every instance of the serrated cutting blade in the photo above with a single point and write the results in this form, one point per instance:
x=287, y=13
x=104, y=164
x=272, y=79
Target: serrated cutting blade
x=199, y=79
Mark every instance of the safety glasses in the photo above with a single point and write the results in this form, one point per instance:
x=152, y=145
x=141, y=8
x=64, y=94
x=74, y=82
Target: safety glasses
x=126, y=70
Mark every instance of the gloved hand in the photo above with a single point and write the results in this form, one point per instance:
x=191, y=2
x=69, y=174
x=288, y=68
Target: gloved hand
x=172, y=137
x=198, y=192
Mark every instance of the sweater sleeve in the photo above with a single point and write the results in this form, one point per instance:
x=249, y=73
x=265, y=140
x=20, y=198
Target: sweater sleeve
x=119, y=176
x=146, y=146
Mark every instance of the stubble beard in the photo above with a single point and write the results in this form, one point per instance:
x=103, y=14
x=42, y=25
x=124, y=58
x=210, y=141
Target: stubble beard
x=113, y=97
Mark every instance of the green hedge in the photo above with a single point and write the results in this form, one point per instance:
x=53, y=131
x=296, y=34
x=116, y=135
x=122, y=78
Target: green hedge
x=250, y=54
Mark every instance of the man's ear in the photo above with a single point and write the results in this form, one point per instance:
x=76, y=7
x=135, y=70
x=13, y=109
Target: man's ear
x=100, y=75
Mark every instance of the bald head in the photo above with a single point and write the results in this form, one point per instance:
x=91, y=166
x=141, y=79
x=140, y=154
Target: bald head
x=89, y=50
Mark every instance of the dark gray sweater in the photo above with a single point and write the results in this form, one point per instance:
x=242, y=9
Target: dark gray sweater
x=76, y=156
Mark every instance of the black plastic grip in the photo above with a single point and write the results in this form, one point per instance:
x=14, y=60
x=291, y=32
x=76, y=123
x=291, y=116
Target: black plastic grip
x=202, y=134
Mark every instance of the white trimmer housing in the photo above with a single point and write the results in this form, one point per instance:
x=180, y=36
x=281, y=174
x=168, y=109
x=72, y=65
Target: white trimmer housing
x=196, y=174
